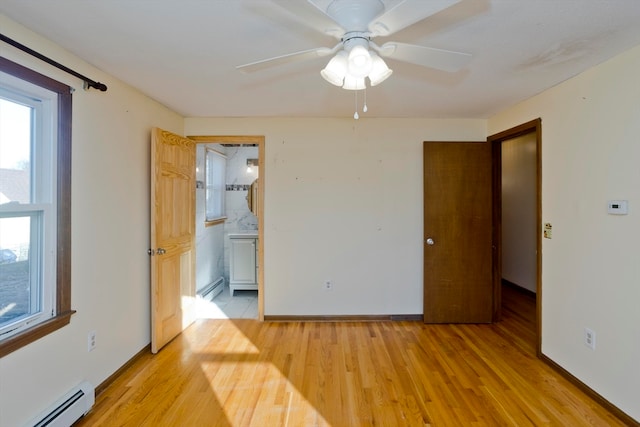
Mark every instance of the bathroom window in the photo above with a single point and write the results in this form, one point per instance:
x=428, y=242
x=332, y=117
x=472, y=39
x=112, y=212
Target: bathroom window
x=215, y=173
x=35, y=199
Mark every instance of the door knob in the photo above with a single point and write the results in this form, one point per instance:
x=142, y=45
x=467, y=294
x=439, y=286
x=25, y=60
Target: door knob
x=429, y=241
x=160, y=251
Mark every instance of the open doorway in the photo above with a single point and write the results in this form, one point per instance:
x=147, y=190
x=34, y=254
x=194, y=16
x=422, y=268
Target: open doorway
x=517, y=225
x=242, y=297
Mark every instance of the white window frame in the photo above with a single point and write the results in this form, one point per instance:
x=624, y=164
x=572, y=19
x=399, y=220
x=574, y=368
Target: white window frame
x=215, y=186
x=42, y=206
x=50, y=204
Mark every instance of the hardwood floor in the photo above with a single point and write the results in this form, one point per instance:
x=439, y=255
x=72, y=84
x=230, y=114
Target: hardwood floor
x=246, y=373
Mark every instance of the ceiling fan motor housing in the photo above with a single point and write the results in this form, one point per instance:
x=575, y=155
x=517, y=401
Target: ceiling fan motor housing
x=355, y=15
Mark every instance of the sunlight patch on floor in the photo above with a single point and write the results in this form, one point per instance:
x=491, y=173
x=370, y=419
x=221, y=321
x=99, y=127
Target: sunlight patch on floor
x=279, y=403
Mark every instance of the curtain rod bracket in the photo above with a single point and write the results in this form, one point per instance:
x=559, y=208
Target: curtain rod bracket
x=88, y=83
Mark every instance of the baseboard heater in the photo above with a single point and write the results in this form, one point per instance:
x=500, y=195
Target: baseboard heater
x=210, y=291
x=69, y=409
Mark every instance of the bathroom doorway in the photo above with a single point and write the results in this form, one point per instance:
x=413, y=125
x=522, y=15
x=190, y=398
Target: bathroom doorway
x=244, y=214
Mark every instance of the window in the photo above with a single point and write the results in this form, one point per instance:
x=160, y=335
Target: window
x=35, y=206
x=215, y=174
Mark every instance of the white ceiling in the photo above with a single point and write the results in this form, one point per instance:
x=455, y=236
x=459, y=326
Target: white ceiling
x=183, y=53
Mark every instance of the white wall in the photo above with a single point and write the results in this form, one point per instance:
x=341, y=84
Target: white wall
x=590, y=268
x=519, y=213
x=110, y=237
x=343, y=202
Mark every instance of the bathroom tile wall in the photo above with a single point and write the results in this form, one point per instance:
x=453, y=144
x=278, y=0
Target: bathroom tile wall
x=209, y=240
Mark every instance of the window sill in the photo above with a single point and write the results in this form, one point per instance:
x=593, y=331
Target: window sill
x=32, y=334
x=215, y=221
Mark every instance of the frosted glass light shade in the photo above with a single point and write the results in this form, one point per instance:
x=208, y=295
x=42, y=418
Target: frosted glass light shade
x=354, y=83
x=359, y=61
x=379, y=70
x=336, y=69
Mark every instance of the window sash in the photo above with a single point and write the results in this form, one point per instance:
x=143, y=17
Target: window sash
x=215, y=177
x=32, y=295
x=44, y=117
x=40, y=301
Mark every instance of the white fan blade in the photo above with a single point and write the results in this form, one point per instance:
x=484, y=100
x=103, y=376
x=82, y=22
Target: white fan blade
x=445, y=60
x=406, y=13
x=263, y=64
x=331, y=27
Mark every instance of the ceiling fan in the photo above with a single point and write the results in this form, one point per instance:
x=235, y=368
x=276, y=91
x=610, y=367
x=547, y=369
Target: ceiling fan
x=356, y=23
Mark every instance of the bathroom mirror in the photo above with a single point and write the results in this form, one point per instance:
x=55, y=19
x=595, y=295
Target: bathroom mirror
x=252, y=197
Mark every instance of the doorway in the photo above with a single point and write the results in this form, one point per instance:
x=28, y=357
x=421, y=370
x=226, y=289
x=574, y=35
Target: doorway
x=517, y=201
x=258, y=199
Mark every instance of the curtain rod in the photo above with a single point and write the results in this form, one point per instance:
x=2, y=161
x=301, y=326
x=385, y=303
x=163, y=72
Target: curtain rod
x=89, y=83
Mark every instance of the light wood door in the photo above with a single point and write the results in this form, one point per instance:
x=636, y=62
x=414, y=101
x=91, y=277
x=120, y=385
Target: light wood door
x=172, y=236
x=458, y=285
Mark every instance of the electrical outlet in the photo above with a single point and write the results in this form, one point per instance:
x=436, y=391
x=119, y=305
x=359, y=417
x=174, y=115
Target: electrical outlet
x=590, y=338
x=91, y=341
x=328, y=285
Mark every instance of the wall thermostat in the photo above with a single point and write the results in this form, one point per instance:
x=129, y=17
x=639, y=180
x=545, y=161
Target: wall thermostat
x=618, y=207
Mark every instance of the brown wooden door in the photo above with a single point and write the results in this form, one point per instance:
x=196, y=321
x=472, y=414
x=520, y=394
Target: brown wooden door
x=172, y=236
x=458, y=284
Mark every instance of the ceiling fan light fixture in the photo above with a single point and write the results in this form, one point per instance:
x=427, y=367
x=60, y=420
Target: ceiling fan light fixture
x=354, y=83
x=336, y=69
x=379, y=70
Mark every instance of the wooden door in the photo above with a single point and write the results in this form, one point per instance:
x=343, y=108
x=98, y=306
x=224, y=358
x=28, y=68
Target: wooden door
x=458, y=285
x=172, y=236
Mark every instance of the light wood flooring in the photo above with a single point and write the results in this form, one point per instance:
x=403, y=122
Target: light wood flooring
x=246, y=373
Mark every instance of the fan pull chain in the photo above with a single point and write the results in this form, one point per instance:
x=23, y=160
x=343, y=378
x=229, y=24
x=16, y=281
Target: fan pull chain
x=364, y=108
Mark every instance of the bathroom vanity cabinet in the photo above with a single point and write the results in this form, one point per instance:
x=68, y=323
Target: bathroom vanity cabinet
x=243, y=273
